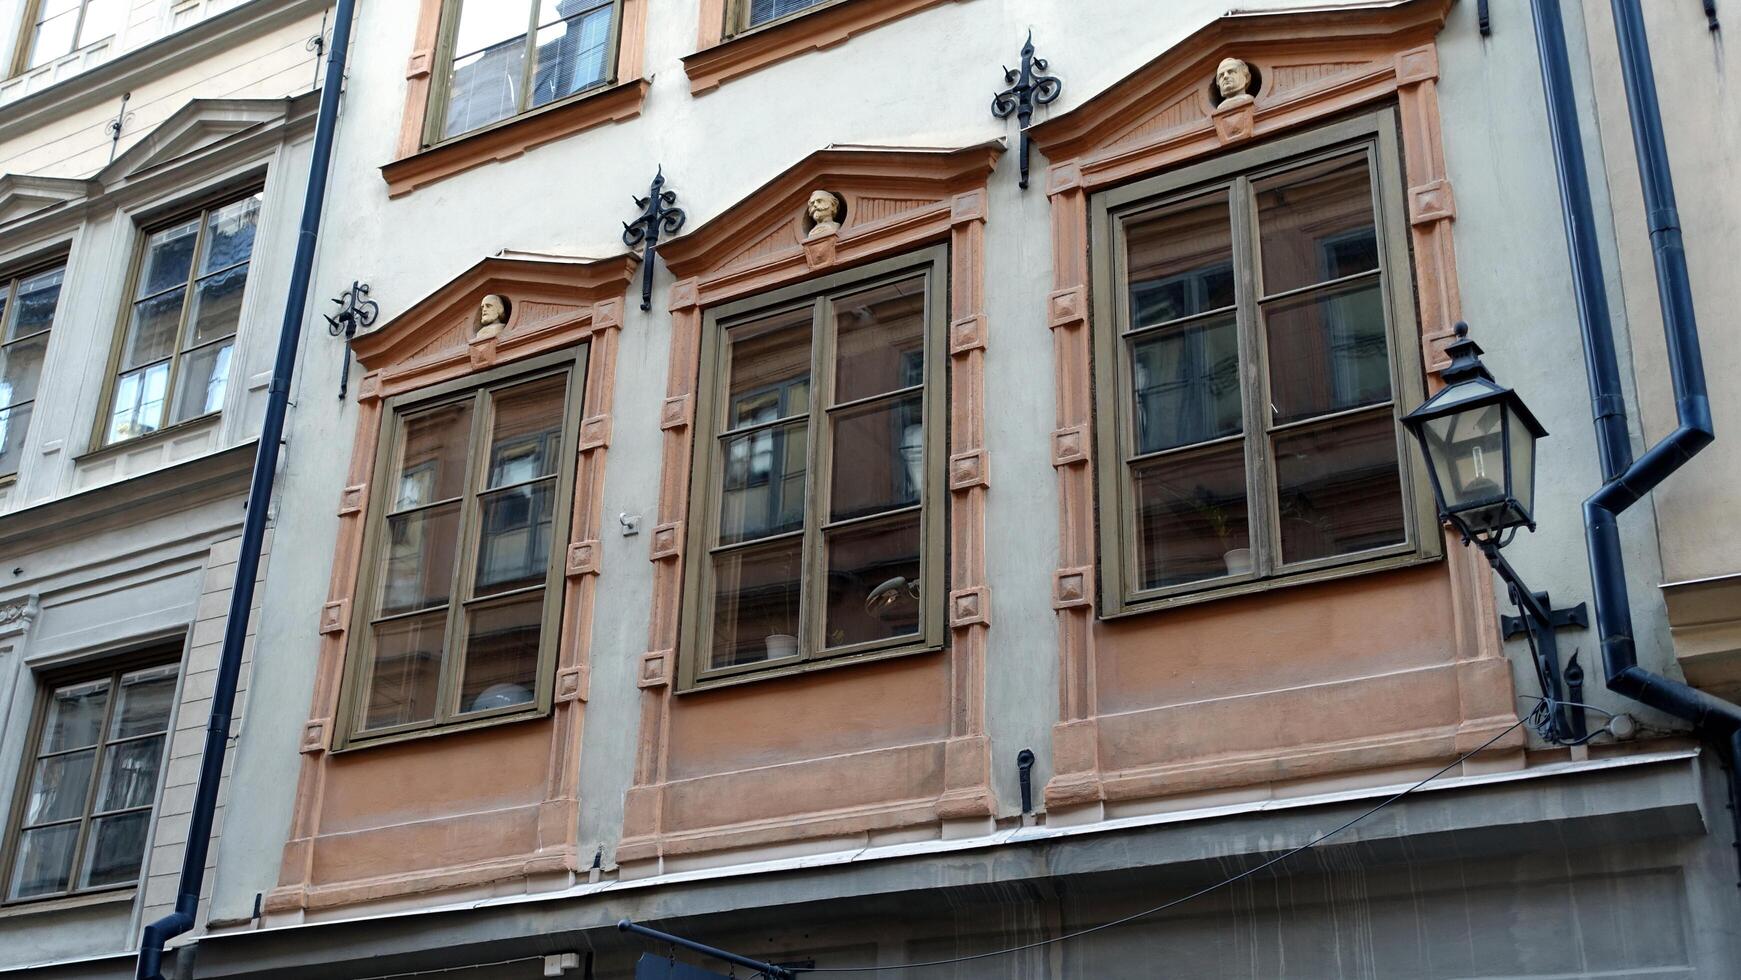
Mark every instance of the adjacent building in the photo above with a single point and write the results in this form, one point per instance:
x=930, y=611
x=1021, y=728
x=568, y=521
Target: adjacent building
x=953, y=538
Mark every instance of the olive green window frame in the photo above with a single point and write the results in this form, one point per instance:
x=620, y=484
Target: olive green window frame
x=156, y=655
x=1377, y=133
x=141, y=254
x=26, y=43
x=435, y=111
x=737, y=16
x=359, y=660
x=708, y=462
x=9, y=283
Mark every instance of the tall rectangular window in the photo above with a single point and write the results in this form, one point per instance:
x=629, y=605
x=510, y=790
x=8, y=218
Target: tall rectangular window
x=90, y=782
x=461, y=589
x=52, y=28
x=1256, y=326
x=27, y=308
x=173, y=361
x=818, y=510
x=504, y=57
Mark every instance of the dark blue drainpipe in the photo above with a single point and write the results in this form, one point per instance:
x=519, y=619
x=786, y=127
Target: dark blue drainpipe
x=1627, y=480
x=199, y=834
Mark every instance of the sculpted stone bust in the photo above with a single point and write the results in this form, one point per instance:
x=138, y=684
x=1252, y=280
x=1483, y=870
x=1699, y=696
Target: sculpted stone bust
x=823, y=210
x=492, y=315
x=1232, y=77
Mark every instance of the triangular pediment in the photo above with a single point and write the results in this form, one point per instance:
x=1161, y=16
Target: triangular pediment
x=1294, y=55
x=22, y=195
x=546, y=295
x=876, y=185
x=201, y=125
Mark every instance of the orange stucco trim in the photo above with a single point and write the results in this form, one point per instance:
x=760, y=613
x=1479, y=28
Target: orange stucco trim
x=719, y=59
x=379, y=823
x=414, y=166
x=705, y=782
x=1313, y=65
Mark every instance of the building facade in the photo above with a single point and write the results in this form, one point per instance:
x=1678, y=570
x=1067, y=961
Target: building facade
x=952, y=538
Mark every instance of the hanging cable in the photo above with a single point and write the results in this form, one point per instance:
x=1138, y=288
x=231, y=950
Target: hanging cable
x=1199, y=893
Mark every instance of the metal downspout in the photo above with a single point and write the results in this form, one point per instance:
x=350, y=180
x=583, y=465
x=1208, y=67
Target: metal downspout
x=199, y=835
x=1627, y=480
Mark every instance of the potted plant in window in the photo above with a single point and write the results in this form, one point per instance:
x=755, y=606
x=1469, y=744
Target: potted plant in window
x=781, y=640
x=1203, y=505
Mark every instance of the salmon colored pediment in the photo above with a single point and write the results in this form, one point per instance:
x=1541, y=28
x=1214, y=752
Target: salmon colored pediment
x=550, y=300
x=1297, y=57
x=879, y=188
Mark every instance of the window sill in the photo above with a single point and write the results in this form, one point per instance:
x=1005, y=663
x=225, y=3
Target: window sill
x=811, y=30
x=118, y=895
x=804, y=667
x=1316, y=576
x=357, y=743
x=164, y=434
x=512, y=137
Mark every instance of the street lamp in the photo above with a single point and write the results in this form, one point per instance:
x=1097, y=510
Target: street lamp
x=1478, y=438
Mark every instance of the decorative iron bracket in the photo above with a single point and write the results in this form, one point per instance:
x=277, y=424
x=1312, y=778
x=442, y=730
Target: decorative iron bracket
x=355, y=310
x=657, y=216
x=1711, y=16
x=1578, y=615
x=1483, y=21
x=1028, y=87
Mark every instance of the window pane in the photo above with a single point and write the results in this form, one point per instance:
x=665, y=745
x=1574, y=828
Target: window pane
x=485, y=23
x=418, y=565
x=146, y=699
x=528, y=432
x=20, y=365
x=571, y=53
x=102, y=19
x=139, y=402
x=33, y=310
x=880, y=340
x=204, y=374
x=765, y=475
x=501, y=653
x=151, y=336
x=14, y=427
x=1315, y=224
x=59, y=786
x=75, y=716
x=129, y=774
x=879, y=457
x=514, y=538
x=1339, y=488
x=230, y=233
x=1191, y=519
x=489, y=64
x=770, y=369
x=217, y=306
x=1179, y=260
x=114, y=851
x=762, y=11
x=406, y=670
x=54, y=37
x=1327, y=351
x=756, y=601
x=873, y=581
x=1185, y=384
x=43, y=863
x=168, y=257
x=432, y=455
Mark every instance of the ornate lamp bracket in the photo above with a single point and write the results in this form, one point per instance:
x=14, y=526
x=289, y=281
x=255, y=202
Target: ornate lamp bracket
x=1028, y=87
x=355, y=310
x=658, y=216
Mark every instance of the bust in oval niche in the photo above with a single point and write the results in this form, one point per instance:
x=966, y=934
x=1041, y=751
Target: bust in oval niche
x=492, y=316
x=823, y=213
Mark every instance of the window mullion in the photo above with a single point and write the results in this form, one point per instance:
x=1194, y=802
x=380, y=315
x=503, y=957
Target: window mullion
x=97, y=755
x=1254, y=379
x=813, y=557
x=453, y=638
x=183, y=329
x=529, y=70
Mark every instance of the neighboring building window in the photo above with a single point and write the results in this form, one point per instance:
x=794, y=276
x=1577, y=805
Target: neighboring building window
x=461, y=589
x=1257, y=341
x=817, y=508
x=27, y=306
x=504, y=57
x=754, y=13
x=52, y=28
x=90, y=782
x=180, y=334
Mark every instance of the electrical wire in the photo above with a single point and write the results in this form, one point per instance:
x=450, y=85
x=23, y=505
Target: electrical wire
x=454, y=969
x=1199, y=893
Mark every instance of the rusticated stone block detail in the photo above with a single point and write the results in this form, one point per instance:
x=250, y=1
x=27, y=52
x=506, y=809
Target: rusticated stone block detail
x=417, y=66
x=583, y=558
x=967, y=470
x=607, y=314
x=968, y=607
x=570, y=684
x=677, y=412
x=1417, y=65
x=369, y=387
x=1070, y=445
x=1067, y=307
x=656, y=668
x=1236, y=119
x=1431, y=202
x=595, y=432
x=966, y=207
x=1072, y=587
x=667, y=541
x=820, y=252
x=967, y=334
x=1073, y=789
x=483, y=352
x=351, y=499
x=313, y=736
x=335, y=616
x=1063, y=177
x=685, y=293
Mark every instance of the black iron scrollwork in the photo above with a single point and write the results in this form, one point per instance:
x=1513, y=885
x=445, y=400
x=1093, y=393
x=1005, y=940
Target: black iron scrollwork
x=657, y=217
x=355, y=310
x=1028, y=87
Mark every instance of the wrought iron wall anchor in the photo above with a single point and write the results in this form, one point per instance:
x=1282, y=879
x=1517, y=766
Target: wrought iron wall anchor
x=355, y=310
x=1483, y=19
x=1028, y=87
x=657, y=216
x=1578, y=615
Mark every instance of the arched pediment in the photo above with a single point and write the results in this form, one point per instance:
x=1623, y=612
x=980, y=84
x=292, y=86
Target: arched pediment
x=551, y=301
x=1317, y=57
x=879, y=187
